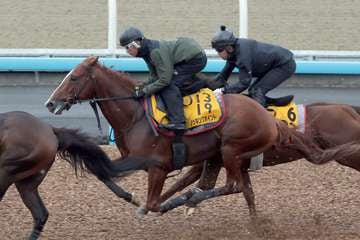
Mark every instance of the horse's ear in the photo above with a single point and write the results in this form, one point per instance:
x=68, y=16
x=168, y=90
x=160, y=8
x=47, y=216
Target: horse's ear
x=93, y=60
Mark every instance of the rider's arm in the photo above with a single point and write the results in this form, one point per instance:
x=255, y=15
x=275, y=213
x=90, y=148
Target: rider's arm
x=245, y=77
x=242, y=84
x=164, y=69
x=225, y=72
x=153, y=76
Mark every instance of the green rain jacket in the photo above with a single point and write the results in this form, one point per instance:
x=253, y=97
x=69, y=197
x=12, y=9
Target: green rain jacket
x=161, y=58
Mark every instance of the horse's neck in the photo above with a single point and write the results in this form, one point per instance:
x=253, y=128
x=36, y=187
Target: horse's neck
x=119, y=113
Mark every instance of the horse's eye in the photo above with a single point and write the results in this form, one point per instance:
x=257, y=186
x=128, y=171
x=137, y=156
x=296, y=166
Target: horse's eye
x=74, y=78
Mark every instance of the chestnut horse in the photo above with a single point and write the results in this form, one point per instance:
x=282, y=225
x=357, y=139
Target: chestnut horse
x=327, y=123
x=28, y=148
x=248, y=129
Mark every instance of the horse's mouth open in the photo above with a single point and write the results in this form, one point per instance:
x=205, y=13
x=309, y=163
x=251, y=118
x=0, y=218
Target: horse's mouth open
x=57, y=107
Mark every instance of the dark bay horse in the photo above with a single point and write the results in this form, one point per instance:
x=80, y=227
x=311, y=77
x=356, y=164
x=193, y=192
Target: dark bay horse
x=248, y=130
x=328, y=124
x=28, y=148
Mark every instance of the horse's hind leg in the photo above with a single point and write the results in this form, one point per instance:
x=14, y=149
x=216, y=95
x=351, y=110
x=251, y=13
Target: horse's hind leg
x=188, y=178
x=210, y=173
x=352, y=162
x=4, y=184
x=235, y=183
x=207, y=174
x=237, y=174
x=28, y=189
x=2, y=192
x=198, y=196
x=248, y=192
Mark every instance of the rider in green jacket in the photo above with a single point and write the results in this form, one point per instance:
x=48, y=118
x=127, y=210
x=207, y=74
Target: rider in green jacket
x=172, y=66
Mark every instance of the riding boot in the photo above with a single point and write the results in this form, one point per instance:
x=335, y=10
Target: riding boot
x=258, y=95
x=172, y=98
x=176, y=118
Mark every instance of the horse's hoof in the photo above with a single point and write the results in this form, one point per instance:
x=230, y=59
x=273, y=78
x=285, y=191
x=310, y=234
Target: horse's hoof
x=141, y=211
x=188, y=211
x=253, y=215
x=134, y=200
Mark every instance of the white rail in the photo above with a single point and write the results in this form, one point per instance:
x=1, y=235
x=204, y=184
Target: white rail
x=112, y=22
x=47, y=52
x=243, y=18
x=112, y=51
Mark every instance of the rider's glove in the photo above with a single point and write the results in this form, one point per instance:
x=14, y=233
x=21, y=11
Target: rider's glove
x=139, y=93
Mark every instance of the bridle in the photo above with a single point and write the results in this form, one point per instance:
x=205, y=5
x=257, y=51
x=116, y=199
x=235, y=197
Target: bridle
x=93, y=80
x=94, y=101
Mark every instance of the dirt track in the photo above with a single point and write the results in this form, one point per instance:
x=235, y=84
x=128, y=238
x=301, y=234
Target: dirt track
x=294, y=201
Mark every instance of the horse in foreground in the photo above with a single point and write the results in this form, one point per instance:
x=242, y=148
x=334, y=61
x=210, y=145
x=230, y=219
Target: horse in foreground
x=248, y=130
x=28, y=148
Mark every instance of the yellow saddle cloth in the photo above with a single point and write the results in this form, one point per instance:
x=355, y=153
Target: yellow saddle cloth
x=200, y=108
x=293, y=115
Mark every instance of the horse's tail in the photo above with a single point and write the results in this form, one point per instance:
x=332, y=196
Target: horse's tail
x=81, y=151
x=307, y=147
x=356, y=108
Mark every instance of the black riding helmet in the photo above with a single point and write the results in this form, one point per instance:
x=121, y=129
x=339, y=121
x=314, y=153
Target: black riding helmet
x=223, y=38
x=129, y=35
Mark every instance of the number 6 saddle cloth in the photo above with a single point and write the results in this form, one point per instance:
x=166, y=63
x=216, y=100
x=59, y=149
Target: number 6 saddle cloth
x=205, y=110
x=293, y=115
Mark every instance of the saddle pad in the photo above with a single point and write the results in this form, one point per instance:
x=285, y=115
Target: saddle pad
x=293, y=115
x=203, y=110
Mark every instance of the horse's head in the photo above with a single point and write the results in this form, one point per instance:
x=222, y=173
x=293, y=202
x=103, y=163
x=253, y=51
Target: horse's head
x=77, y=85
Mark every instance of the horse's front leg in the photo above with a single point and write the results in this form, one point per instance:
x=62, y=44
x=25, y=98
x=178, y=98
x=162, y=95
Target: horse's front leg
x=207, y=172
x=156, y=180
x=192, y=175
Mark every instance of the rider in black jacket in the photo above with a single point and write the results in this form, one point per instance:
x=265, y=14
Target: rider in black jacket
x=269, y=64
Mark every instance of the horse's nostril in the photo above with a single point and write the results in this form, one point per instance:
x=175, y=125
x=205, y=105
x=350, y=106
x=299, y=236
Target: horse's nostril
x=49, y=104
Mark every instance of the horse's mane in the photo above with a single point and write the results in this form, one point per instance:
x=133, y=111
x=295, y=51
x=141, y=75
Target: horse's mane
x=123, y=76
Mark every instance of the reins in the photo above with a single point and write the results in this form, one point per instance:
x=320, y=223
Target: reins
x=93, y=105
x=103, y=99
x=93, y=101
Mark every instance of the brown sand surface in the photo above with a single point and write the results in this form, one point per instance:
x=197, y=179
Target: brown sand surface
x=294, y=201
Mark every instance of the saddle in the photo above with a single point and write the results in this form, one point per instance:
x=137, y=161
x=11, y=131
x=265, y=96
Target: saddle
x=281, y=101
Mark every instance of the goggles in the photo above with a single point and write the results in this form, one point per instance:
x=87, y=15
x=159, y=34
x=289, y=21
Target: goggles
x=132, y=44
x=219, y=50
